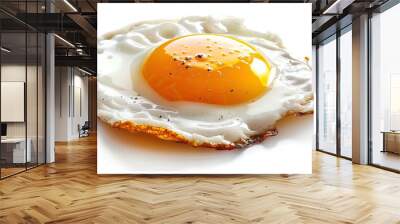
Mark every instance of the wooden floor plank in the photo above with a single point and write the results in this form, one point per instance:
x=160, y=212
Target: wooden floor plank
x=70, y=191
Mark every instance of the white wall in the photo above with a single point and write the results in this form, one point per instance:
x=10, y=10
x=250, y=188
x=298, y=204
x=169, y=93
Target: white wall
x=79, y=117
x=14, y=73
x=17, y=73
x=62, y=81
x=70, y=84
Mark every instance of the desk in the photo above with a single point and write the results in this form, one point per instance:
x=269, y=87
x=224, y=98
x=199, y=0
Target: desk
x=391, y=141
x=16, y=147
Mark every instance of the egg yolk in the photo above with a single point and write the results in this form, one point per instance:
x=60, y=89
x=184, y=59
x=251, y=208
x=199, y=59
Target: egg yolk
x=207, y=68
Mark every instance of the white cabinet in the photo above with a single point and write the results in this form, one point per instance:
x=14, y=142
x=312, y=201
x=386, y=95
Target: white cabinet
x=16, y=147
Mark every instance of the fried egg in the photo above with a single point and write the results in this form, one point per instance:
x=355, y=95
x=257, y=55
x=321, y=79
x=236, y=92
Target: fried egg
x=200, y=80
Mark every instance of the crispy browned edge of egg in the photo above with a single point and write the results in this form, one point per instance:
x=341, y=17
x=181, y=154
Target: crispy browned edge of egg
x=169, y=135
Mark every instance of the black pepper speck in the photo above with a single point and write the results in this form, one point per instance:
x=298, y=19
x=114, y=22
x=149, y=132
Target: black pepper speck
x=199, y=56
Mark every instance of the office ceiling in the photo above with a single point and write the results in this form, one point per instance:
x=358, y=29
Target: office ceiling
x=16, y=42
x=77, y=22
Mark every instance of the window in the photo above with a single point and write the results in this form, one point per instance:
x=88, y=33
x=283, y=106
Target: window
x=346, y=92
x=327, y=96
x=385, y=89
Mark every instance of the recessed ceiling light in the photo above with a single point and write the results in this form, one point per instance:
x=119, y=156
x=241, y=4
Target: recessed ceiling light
x=70, y=5
x=84, y=71
x=64, y=40
x=338, y=6
x=5, y=50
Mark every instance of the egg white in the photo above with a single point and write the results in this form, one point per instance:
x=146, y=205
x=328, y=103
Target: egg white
x=123, y=94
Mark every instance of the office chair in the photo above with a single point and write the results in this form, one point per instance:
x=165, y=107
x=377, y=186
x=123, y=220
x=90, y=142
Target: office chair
x=84, y=130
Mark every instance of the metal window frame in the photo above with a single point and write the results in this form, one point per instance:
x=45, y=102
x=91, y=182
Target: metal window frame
x=381, y=9
x=339, y=32
x=338, y=96
x=0, y=95
x=328, y=39
x=387, y=5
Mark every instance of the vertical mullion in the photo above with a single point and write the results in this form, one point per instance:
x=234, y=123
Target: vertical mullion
x=60, y=88
x=45, y=87
x=369, y=95
x=45, y=94
x=26, y=86
x=338, y=81
x=73, y=92
x=317, y=96
x=37, y=90
x=69, y=92
x=0, y=97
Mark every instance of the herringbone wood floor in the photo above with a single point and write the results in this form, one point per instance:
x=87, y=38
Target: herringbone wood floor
x=70, y=191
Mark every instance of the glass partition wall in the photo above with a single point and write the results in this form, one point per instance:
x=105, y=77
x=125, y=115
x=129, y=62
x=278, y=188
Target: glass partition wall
x=22, y=107
x=13, y=88
x=334, y=93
